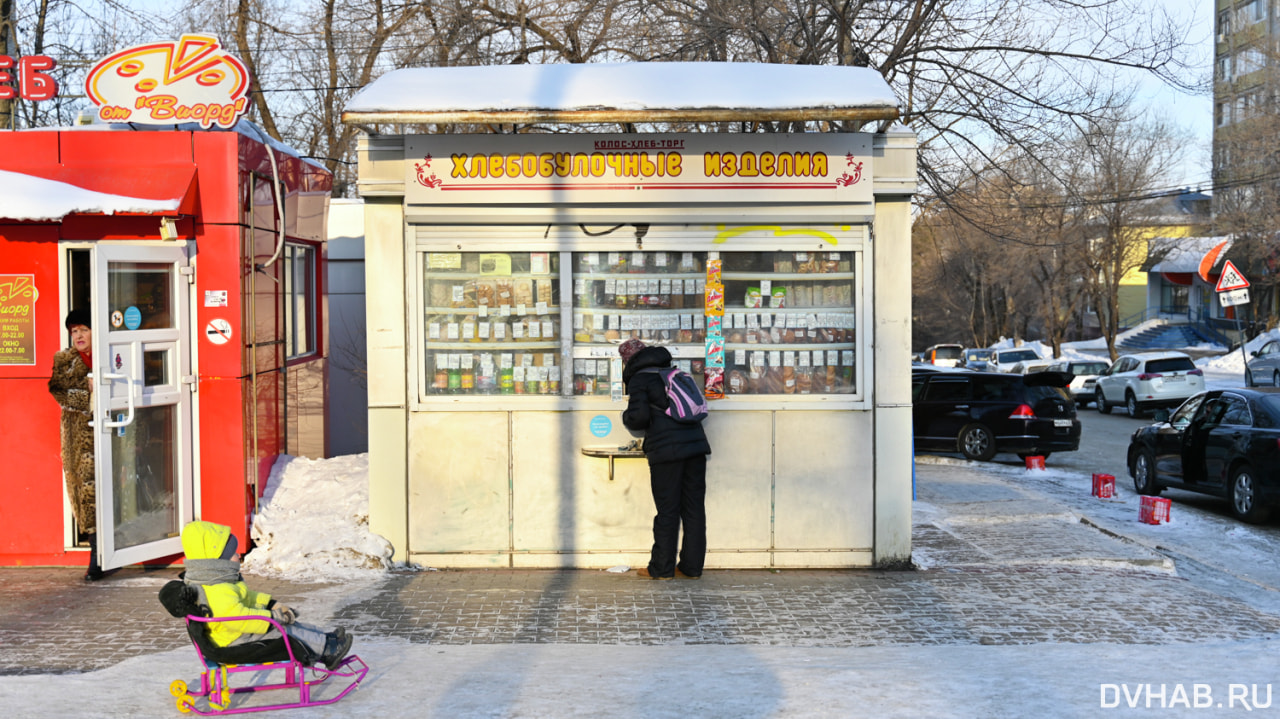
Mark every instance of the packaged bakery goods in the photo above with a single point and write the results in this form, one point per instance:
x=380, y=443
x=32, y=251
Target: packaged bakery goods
x=713, y=383
x=544, y=292
x=505, y=293
x=779, y=298
x=486, y=294
x=752, y=298
x=773, y=381
x=439, y=294
x=735, y=382
x=804, y=381
x=788, y=380
x=522, y=292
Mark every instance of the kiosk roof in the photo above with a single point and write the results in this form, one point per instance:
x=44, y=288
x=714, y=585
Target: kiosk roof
x=624, y=92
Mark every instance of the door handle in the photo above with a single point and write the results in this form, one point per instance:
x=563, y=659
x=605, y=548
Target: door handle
x=128, y=420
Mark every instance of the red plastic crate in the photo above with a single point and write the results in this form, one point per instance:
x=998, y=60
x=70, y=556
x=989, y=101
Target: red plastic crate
x=1154, y=510
x=1035, y=462
x=1104, y=486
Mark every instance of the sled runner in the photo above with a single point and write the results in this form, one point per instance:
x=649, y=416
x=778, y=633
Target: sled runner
x=215, y=691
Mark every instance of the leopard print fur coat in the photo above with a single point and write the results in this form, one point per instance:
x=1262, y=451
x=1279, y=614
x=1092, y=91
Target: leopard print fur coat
x=70, y=386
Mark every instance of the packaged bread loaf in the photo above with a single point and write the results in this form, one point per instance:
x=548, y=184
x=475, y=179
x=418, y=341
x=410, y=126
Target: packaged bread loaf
x=788, y=380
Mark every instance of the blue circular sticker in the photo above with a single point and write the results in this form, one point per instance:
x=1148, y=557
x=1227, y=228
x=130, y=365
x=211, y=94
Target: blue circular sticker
x=601, y=425
x=132, y=318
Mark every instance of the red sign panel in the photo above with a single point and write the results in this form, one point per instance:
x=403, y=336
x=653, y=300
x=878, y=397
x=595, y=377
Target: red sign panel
x=34, y=82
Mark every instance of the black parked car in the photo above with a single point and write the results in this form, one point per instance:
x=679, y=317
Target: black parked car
x=1220, y=442
x=982, y=413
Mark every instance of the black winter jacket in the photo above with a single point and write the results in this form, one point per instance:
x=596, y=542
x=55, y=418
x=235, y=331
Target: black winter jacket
x=665, y=440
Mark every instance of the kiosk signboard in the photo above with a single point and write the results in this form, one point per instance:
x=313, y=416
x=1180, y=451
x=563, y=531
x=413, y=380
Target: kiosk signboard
x=625, y=169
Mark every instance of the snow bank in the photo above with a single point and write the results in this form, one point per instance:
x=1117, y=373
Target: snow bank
x=313, y=522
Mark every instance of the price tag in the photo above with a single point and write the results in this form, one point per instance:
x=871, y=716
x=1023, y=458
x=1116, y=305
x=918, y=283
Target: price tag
x=775, y=358
x=547, y=329
x=788, y=359
x=433, y=331
x=593, y=258
x=597, y=322
x=451, y=330
x=846, y=358
x=739, y=357
x=484, y=330
x=540, y=308
x=500, y=331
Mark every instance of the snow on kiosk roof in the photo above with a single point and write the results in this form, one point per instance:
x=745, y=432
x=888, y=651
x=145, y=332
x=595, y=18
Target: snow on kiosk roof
x=624, y=92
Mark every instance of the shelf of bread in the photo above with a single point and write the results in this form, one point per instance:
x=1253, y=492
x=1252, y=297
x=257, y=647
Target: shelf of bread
x=767, y=370
x=495, y=330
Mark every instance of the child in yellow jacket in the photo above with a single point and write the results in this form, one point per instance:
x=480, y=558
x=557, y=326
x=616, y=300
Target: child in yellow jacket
x=213, y=570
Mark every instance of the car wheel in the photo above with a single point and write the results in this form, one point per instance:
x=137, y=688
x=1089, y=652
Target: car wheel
x=977, y=442
x=1144, y=474
x=1243, y=495
x=1131, y=404
x=1100, y=401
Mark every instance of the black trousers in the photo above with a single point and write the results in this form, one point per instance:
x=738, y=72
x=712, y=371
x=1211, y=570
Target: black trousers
x=679, y=491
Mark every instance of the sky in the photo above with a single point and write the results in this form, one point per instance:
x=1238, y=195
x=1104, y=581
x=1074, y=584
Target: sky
x=1193, y=112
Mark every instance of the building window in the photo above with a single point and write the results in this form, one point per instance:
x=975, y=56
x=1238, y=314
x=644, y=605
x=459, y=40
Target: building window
x=1220, y=113
x=300, y=300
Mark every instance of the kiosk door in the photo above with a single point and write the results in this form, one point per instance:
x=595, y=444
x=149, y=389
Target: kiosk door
x=142, y=384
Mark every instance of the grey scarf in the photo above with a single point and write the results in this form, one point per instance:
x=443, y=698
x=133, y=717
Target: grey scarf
x=212, y=571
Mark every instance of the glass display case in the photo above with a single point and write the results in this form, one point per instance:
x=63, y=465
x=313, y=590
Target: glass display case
x=492, y=323
x=656, y=297
x=789, y=322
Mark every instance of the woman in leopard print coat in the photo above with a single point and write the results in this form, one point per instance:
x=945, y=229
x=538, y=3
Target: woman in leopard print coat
x=70, y=386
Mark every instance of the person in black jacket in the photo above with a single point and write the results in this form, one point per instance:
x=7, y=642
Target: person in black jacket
x=677, y=455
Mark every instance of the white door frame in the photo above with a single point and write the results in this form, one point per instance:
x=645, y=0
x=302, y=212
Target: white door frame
x=122, y=393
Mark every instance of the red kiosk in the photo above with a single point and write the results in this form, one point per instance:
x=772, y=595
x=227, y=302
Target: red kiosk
x=199, y=253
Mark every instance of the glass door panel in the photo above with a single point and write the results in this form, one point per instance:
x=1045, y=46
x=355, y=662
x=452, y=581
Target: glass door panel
x=142, y=401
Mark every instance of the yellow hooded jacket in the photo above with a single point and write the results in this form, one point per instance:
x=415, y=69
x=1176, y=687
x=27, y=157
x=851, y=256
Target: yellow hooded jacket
x=205, y=540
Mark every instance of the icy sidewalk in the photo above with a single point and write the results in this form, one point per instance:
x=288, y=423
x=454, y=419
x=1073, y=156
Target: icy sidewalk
x=1020, y=610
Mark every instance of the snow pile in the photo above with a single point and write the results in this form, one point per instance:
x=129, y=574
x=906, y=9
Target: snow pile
x=27, y=197
x=314, y=522
x=1233, y=361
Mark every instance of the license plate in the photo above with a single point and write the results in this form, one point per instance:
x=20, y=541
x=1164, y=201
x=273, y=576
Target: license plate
x=1061, y=423
x=1175, y=378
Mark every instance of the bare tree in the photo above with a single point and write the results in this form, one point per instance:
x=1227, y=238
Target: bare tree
x=1126, y=161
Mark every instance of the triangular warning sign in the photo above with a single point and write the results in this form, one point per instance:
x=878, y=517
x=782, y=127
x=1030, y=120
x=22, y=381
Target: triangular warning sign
x=1231, y=279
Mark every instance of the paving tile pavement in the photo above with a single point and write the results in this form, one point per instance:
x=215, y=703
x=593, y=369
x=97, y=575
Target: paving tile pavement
x=999, y=567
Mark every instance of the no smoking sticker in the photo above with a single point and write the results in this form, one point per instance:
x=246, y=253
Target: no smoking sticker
x=218, y=331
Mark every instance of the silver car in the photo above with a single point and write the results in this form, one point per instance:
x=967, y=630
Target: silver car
x=1264, y=368
x=1085, y=375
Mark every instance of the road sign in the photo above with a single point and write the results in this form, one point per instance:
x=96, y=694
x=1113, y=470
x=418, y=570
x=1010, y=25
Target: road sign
x=1231, y=279
x=1234, y=297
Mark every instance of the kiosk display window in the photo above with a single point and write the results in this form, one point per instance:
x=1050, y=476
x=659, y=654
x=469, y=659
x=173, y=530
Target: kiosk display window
x=741, y=323
x=655, y=297
x=492, y=323
x=789, y=322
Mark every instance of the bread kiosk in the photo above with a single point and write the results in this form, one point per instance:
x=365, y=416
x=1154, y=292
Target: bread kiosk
x=504, y=268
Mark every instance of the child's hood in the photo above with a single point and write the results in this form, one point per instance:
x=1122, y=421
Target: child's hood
x=204, y=540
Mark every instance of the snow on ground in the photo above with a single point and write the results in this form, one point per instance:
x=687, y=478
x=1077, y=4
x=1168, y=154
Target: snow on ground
x=730, y=681
x=314, y=522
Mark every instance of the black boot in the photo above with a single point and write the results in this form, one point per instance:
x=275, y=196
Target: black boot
x=95, y=571
x=336, y=646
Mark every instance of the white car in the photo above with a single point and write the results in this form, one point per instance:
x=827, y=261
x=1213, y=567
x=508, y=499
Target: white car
x=1085, y=374
x=1141, y=382
x=1004, y=360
